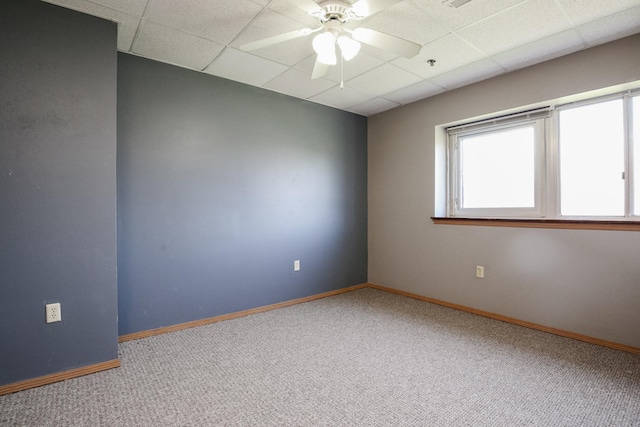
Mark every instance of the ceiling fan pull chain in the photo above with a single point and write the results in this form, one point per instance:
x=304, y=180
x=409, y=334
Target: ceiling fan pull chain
x=341, y=72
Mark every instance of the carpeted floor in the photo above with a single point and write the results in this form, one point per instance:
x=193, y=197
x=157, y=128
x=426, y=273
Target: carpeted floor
x=364, y=358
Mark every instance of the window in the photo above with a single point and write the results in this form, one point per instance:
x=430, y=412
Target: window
x=571, y=162
x=592, y=161
x=496, y=167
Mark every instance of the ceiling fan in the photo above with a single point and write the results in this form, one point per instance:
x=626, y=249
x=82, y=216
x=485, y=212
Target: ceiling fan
x=333, y=15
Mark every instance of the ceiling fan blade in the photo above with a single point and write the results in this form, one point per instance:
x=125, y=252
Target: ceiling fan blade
x=319, y=70
x=386, y=42
x=259, y=44
x=365, y=8
x=308, y=6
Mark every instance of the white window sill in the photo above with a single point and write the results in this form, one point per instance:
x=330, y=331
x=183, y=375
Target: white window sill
x=623, y=225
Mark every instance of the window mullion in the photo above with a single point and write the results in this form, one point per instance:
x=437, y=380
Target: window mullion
x=552, y=185
x=628, y=156
x=453, y=178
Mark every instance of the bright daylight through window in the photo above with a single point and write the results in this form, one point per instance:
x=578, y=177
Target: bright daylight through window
x=484, y=183
x=574, y=161
x=592, y=160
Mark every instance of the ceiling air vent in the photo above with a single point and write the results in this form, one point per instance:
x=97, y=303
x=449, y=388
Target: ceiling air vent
x=455, y=3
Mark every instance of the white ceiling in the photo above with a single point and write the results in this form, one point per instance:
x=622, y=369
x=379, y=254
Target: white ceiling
x=476, y=41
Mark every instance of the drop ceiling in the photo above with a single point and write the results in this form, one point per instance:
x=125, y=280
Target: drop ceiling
x=473, y=42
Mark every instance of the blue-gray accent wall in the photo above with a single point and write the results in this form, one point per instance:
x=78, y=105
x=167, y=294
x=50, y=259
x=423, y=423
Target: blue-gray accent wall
x=221, y=186
x=58, y=76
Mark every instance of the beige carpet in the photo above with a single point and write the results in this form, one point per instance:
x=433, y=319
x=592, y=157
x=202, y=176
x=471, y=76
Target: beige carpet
x=364, y=358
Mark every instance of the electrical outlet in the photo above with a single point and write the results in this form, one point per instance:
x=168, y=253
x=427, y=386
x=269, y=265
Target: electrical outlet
x=296, y=265
x=53, y=312
x=480, y=271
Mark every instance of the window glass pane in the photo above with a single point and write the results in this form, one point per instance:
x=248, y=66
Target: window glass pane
x=592, y=160
x=636, y=153
x=498, y=169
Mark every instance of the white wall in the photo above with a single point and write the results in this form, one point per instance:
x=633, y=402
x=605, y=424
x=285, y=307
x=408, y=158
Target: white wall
x=582, y=281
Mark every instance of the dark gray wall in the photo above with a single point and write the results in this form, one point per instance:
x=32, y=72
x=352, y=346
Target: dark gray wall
x=222, y=186
x=58, y=75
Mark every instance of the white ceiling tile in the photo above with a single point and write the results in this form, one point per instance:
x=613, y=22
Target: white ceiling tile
x=299, y=84
x=415, y=92
x=341, y=98
x=290, y=9
x=480, y=70
x=270, y=24
x=384, y=79
x=267, y=24
x=450, y=52
x=460, y=17
x=132, y=7
x=373, y=106
x=362, y=63
x=219, y=20
x=307, y=64
x=173, y=46
x=541, y=50
x=243, y=67
x=529, y=21
x=378, y=53
x=289, y=53
x=613, y=27
x=127, y=24
x=582, y=11
x=406, y=21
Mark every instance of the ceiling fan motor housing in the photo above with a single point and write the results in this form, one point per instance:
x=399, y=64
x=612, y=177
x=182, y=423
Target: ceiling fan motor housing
x=335, y=10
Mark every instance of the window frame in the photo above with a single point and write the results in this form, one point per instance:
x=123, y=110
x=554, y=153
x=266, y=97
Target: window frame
x=529, y=119
x=547, y=167
x=628, y=215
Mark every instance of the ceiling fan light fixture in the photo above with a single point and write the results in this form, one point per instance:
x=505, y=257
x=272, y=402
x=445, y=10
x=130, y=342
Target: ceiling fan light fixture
x=325, y=46
x=349, y=47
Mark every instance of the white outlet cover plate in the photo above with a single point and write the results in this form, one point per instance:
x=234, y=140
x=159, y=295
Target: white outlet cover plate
x=53, y=312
